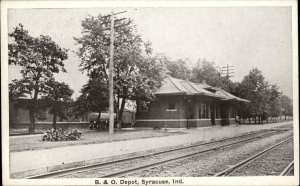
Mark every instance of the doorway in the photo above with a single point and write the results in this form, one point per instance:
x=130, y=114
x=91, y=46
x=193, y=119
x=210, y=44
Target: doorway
x=190, y=111
x=190, y=114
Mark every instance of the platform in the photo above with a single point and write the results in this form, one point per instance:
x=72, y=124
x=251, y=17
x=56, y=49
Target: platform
x=40, y=161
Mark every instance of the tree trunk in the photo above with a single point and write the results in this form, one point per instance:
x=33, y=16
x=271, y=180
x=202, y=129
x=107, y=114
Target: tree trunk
x=54, y=119
x=32, y=122
x=33, y=111
x=121, y=113
x=260, y=119
x=255, y=120
x=284, y=117
x=54, y=115
x=99, y=119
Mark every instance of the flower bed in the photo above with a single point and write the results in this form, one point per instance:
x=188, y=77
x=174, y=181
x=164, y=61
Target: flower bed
x=61, y=134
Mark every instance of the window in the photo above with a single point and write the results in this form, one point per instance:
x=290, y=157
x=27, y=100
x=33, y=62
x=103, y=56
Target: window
x=171, y=106
x=204, y=110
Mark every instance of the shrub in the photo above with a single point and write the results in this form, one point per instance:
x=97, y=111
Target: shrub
x=156, y=127
x=61, y=135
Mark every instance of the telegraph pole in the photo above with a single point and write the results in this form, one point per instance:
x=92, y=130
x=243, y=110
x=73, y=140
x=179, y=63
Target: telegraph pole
x=111, y=83
x=111, y=62
x=228, y=72
x=111, y=66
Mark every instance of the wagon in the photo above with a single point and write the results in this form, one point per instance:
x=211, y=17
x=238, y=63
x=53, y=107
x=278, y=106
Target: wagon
x=128, y=120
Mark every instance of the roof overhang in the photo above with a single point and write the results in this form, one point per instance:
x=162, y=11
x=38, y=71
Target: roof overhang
x=237, y=100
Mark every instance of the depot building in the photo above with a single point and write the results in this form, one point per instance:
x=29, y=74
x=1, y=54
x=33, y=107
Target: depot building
x=184, y=104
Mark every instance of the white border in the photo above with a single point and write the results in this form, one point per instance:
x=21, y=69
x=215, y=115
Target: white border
x=176, y=119
x=269, y=180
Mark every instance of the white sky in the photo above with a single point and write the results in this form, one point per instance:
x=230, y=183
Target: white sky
x=242, y=37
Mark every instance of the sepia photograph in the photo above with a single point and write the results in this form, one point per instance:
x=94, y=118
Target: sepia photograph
x=149, y=93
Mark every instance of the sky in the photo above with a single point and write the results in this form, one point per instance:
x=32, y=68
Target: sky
x=243, y=37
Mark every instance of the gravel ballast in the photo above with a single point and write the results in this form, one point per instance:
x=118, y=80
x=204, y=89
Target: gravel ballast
x=271, y=163
x=211, y=163
x=99, y=172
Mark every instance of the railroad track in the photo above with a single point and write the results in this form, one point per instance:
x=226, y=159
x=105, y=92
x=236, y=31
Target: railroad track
x=228, y=142
x=240, y=165
x=288, y=169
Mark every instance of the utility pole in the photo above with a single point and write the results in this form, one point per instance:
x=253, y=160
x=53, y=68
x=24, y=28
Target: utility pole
x=111, y=83
x=227, y=71
x=111, y=66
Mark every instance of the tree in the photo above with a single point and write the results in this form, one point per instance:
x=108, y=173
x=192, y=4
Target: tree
x=39, y=58
x=58, y=94
x=206, y=72
x=137, y=72
x=178, y=69
x=286, y=105
x=94, y=97
x=18, y=96
x=254, y=88
x=273, y=101
x=19, y=89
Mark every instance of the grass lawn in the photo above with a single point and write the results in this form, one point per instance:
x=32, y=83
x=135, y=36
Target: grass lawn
x=23, y=131
x=89, y=137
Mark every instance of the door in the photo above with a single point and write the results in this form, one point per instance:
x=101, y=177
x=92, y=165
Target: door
x=190, y=114
x=190, y=111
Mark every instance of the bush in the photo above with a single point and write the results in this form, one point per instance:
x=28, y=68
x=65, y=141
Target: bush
x=61, y=135
x=156, y=127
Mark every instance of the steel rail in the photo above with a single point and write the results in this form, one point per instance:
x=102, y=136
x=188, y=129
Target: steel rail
x=124, y=172
x=287, y=169
x=83, y=168
x=249, y=160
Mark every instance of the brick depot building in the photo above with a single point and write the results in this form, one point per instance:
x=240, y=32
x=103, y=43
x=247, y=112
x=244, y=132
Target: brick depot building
x=183, y=104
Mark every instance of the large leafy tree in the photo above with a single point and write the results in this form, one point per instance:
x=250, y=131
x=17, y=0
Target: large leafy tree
x=136, y=71
x=19, y=90
x=58, y=96
x=286, y=105
x=81, y=108
x=178, y=69
x=254, y=88
x=273, y=108
x=39, y=58
x=94, y=97
x=265, y=98
x=206, y=71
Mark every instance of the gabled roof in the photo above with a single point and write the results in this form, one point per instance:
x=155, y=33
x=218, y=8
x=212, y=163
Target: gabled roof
x=174, y=86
